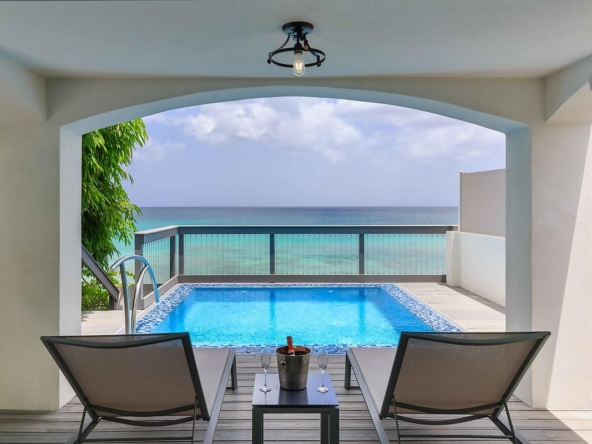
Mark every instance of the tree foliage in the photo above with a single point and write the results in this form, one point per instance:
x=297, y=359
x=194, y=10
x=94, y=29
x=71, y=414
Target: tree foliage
x=107, y=213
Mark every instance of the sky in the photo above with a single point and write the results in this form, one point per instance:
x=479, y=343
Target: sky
x=299, y=151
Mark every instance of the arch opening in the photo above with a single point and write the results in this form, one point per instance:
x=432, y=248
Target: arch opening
x=422, y=101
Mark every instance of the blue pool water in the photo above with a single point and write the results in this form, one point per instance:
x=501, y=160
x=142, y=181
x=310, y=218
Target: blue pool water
x=339, y=316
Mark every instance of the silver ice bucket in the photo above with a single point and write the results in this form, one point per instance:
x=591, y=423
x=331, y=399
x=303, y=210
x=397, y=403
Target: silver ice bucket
x=293, y=370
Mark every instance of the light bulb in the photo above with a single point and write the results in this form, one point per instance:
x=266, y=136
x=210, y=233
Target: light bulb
x=299, y=66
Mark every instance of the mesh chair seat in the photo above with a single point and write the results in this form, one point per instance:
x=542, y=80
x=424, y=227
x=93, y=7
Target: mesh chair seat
x=468, y=375
x=123, y=377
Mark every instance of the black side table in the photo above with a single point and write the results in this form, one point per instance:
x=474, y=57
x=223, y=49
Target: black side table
x=308, y=400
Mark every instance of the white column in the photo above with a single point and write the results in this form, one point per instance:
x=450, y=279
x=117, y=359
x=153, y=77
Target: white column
x=518, y=230
x=40, y=173
x=549, y=258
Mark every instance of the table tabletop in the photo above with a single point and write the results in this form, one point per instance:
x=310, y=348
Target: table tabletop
x=279, y=397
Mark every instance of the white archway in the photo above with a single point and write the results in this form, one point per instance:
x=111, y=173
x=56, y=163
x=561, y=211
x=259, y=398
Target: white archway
x=45, y=163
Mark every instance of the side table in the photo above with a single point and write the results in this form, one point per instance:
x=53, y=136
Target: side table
x=308, y=400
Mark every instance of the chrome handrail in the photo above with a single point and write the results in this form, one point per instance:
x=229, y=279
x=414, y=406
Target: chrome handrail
x=130, y=311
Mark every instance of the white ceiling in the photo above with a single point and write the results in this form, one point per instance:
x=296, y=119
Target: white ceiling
x=231, y=38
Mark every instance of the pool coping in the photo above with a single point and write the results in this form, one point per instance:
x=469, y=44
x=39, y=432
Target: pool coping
x=431, y=316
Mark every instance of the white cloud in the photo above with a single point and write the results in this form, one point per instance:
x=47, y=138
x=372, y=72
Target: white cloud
x=154, y=151
x=332, y=128
x=310, y=126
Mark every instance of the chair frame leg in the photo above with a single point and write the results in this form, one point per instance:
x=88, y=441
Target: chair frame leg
x=234, y=375
x=510, y=422
x=348, y=371
x=81, y=424
x=87, y=424
x=397, y=421
x=507, y=427
x=194, y=419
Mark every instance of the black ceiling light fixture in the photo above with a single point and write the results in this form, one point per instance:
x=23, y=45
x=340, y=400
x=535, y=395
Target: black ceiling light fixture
x=298, y=31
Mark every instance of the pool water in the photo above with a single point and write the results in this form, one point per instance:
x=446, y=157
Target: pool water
x=313, y=316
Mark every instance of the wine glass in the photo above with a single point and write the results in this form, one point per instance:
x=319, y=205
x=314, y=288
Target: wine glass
x=265, y=361
x=323, y=361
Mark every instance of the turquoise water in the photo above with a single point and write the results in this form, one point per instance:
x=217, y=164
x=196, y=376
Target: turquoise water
x=313, y=316
x=300, y=254
x=157, y=217
x=153, y=217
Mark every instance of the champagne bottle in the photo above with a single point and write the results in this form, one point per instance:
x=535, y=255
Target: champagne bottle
x=291, y=350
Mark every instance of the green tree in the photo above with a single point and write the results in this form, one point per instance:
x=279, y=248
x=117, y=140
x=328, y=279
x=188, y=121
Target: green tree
x=107, y=213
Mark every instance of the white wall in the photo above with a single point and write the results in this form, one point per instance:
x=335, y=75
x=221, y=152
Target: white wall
x=22, y=95
x=483, y=202
x=40, y=173
x=477, y=263
x=476, y=255
x=519, y=241
x=561, y=271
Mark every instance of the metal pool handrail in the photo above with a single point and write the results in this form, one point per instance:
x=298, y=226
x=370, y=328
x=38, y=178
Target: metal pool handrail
x=130, y=309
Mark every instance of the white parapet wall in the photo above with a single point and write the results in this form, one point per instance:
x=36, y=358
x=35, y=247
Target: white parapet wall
x=477, y=262
x=483, y=202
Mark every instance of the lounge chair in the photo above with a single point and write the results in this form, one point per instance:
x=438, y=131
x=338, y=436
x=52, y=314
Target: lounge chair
x=468, y=375
x=129, y=379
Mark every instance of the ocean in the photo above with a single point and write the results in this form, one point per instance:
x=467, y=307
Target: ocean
x=155, y=217
x=299, y=254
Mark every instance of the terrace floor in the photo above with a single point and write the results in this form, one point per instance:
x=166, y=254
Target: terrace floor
x=234, y=425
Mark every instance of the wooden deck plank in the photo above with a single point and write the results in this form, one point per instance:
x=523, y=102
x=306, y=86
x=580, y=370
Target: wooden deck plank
x=235, y=420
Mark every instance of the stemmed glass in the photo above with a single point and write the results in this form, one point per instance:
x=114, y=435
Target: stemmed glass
x=323, y=361
x=265, y=361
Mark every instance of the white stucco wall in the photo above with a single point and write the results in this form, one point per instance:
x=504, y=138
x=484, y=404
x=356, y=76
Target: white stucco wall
x=477, y=263
x=40, y=173
x=483, y=202
x=562, y=262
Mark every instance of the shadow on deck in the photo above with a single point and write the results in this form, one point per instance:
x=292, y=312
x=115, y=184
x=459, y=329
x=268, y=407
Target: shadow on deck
x=235, y=421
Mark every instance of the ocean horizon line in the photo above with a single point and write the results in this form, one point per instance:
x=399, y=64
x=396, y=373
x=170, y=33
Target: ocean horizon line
x=305, y=207
x=156, y=217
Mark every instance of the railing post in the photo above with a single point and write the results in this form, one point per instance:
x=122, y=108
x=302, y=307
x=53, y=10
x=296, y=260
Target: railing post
x=139, y=251
x=172, y=257
x=181, y=254
x=272, y=253
x=361, y=254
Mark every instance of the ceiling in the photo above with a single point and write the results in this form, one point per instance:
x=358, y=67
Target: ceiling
x=493, y=38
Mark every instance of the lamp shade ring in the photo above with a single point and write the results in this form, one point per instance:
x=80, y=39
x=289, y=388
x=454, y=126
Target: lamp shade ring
x=298, y=31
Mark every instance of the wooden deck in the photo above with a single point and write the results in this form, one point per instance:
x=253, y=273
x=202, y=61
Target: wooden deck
x=461, y=306
x=356, y=427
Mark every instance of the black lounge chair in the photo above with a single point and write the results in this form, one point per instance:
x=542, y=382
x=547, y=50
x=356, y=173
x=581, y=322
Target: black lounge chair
x=466, y=375
x=131, y=378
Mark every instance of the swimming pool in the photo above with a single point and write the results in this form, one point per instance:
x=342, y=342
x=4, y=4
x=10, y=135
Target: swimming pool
x=332, y=317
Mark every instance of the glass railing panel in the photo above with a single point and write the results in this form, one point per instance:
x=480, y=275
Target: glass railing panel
x=315, y=254
x=405, y=254
x=226, y=254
